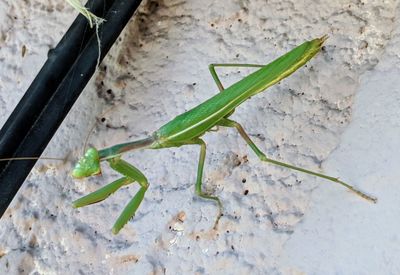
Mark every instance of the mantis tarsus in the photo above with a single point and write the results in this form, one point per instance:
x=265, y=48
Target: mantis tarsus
x=187, y=129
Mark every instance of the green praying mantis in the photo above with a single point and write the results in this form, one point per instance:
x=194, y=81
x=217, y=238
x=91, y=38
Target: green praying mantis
x=189, y=127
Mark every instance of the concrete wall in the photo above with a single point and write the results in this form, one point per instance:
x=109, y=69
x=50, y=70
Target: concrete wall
x=339, y=113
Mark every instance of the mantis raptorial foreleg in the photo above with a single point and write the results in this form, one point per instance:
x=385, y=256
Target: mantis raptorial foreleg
x=102, y=193
x=131, y=174
x=199, y=179
x=230, y=123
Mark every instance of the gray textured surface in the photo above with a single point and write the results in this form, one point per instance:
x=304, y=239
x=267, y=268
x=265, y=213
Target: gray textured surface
x=288, y=223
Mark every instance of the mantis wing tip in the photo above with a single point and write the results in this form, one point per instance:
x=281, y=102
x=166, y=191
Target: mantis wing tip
x=323, y=38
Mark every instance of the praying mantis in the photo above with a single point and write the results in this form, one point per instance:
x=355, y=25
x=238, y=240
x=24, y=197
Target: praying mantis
x=188, y=129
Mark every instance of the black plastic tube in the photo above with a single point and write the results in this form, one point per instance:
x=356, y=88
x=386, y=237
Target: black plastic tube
x=47, y=80
x=26, y=133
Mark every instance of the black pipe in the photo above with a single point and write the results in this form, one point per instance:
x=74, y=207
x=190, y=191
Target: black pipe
x=47, y=80
x=32, y=133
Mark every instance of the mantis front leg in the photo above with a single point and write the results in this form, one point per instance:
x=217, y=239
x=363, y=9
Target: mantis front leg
x=131, y=174
x=230, y=123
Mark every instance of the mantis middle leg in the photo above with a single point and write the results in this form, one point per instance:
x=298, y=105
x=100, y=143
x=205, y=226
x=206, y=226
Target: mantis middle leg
x=199, y=179
x=230, y=123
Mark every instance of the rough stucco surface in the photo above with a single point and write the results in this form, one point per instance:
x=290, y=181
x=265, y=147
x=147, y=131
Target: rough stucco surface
x=339, y=114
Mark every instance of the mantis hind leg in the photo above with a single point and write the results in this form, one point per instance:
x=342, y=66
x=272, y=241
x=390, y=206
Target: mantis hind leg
x=198, y=186
x=214, y=74
x=230, y=123
x=217, y=81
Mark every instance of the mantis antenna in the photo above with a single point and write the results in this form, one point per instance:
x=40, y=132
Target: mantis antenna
x=93, y=126
x=30, y=158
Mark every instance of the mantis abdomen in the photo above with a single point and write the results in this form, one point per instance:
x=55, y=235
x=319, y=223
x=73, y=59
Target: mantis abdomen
x=203, y=117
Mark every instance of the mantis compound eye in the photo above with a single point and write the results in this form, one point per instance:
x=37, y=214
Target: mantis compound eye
x=88, y=165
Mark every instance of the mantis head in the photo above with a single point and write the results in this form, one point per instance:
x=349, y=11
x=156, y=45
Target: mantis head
x=88, y=165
